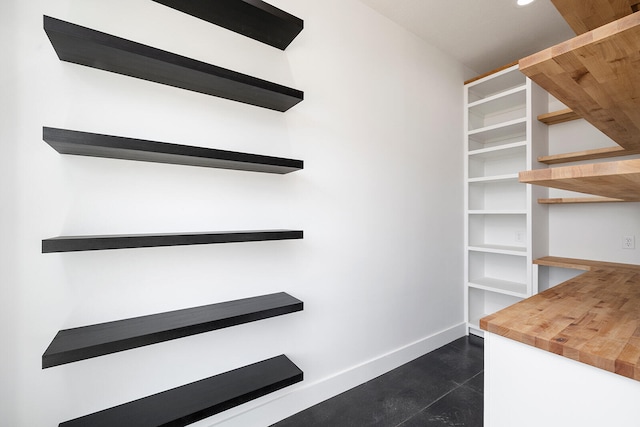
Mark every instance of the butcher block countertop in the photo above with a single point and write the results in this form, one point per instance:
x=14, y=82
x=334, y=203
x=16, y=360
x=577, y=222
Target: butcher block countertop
x=593, y=318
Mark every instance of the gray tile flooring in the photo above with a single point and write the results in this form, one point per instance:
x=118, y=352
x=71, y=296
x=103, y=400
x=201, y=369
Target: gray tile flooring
x=441, y=388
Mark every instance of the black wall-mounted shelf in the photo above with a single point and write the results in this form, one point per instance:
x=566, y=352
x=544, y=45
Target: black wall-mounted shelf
x=252, y=18
x=84, y=46
x=72, y=345
x=198, y=400
x=126, y=241
x=116, y=147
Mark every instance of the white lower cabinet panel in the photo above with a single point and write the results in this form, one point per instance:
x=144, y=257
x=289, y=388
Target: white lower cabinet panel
x=528, y=387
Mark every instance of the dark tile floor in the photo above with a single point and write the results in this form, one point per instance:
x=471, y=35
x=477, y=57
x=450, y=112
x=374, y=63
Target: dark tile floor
x=441, y=388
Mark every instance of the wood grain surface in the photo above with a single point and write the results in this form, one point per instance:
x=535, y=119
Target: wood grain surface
x=561, y=116
x=593, y=318
x=593, y=154
x=586, y=15
x=567, y=200
x=596, y=74
x=618, y=180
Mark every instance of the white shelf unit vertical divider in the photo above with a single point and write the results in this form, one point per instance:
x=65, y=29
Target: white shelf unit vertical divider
x=505, y=228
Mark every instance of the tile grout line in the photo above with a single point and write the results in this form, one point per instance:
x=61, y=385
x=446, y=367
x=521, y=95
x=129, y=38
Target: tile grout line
x=442, y=397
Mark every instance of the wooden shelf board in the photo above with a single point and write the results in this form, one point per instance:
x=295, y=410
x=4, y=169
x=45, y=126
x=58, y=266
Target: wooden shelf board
x=586, y=15
x=84, y=46
x=489, y=73
x=570, y=200
x=72, y=345
x=581, y=264
x=125, y=241
x=617, y=180
x=115, y=147
x=252, y=18
x=192, y=402
x=597, y=153
x=561, y=116
x=596, y=75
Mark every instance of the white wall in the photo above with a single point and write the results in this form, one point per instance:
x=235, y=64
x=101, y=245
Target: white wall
x=553, y=391
x=379, y=200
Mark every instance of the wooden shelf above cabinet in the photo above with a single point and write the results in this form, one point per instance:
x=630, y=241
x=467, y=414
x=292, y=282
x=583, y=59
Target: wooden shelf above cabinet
x=198, y=400
x=72, y=345
x=598, y=153
x=586, y=15
x=617, y=180
x=116, y=147
x=582, y=264
x=556, y=117
x=596, y=75
x=93, y=243
x=84, y=46
x=573, y=200
x=252, y=18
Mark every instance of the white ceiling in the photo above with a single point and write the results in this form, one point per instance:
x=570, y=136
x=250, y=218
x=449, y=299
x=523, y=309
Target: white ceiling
x=482, y=34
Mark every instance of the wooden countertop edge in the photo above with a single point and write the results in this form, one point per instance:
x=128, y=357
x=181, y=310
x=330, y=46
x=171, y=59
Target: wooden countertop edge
x=572, y=337
x=581, y=264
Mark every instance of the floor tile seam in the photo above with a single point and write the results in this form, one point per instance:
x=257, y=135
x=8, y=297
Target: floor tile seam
x=443, y=396
x=472, y=377
x=458, y=384
x=464, y=384
x=433, y=403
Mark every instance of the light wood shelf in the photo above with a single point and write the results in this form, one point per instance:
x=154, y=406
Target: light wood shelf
x=597, y=153
x=596, y=74
x=556, y=117
x=570, y=200
x=618, y=180
x=489, y=73
x=586, y=15
x=581, y=264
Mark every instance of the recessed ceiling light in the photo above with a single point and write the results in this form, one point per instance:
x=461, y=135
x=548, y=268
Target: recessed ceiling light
x=524, y=2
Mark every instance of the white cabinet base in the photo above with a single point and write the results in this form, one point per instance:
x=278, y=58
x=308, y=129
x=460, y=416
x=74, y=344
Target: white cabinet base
x=528, y=387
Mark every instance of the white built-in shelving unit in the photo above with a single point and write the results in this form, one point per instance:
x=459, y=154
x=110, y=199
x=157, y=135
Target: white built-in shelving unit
x=505, y=229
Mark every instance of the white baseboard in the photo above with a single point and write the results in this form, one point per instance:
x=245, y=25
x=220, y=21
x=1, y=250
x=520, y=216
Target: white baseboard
x=284, y=403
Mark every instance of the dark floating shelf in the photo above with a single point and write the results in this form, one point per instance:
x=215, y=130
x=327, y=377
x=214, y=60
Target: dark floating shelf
x=72, y=345
x=252, y=18
x=84, y=46
x=116, y=147
x=94, y=243
x=198, y=400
